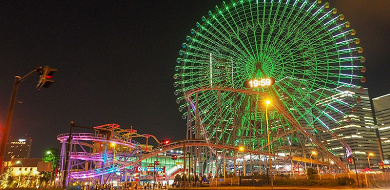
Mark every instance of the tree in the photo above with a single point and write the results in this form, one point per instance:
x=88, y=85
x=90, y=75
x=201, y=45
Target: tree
x=52, y=156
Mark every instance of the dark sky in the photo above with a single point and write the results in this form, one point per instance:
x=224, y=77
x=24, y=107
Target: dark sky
x=116, y=61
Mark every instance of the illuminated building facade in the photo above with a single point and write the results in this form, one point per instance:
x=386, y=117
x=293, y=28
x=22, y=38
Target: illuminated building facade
x=355, y=126
x=382, y=115
x=18, y=148
x=23, y=172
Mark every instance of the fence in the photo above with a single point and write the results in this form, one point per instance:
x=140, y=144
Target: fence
x=370, y=180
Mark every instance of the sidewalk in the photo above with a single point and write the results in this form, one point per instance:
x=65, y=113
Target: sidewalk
x=276, y=188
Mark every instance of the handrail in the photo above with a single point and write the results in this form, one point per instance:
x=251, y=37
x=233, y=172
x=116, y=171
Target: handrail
x=155, y=151
x=96, y=137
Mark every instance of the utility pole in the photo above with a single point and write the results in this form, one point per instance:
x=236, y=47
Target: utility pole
x=44, y=81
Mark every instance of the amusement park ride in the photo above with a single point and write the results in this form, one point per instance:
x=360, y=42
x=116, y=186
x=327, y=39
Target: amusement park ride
x=300, y=55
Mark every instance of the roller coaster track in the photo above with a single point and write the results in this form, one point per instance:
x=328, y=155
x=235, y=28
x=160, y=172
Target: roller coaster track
x=117, y=165
x=121, y=165
x=99, y=138
x=278, y=105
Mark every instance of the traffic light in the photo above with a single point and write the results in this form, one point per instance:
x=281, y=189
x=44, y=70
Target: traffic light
x=174, y=157
x=166, y=142
x=350, y=160
x=45, y=77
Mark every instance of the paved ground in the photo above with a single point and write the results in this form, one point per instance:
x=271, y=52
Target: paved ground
x=277, y=188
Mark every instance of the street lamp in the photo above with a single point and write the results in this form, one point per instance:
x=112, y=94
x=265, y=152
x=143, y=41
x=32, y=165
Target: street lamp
x=52, y=159
x=21, y=171
x=368, y=158
x=52, y=162
x=113, y=164
x=268, y=102
x=241, y=149
x=19, y=162
x=313, y=152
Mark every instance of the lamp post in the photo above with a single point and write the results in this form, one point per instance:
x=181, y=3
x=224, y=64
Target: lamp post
x=313, y=152
x=52, y=161
x=21, y=171
x=241, y=149
x=267, y=102
x=113, y=165
x=368, y=159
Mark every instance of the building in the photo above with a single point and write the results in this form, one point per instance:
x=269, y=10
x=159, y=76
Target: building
x=24, y=172
x=382, y=116
x=349, y=116
x=18, y=148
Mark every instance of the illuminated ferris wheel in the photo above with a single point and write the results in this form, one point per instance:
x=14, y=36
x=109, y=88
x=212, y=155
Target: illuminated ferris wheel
x=301, y=54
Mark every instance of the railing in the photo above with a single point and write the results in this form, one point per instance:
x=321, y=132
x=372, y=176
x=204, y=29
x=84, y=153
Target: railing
x=96, y=137
x=121, y=165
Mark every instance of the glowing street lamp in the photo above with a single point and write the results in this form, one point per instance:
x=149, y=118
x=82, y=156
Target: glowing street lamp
x=313, y=152
x=368, y=158
x=113, y=164
x=21, y=172
x=268, y=102
x=53, y=157
x=52, y=162
x=19, y=162
x=242, y=149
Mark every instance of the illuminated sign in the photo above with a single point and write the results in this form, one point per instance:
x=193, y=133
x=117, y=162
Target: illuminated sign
x=150, y=169
x=256, y=83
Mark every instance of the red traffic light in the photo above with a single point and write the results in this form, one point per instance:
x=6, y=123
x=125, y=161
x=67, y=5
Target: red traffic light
x=350, y=160
x=45, y=78
x=166, y=142
x=174, y=157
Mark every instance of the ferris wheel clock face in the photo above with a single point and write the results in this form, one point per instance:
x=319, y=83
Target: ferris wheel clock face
x=259, y=83
x=301, y=52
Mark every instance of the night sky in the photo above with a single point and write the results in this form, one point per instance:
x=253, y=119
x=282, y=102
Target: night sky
x=116, y=61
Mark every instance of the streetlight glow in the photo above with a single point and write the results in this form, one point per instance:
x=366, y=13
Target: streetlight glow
x=267, y=102
x=368, y=158
x=241, y=148
x=313, y=152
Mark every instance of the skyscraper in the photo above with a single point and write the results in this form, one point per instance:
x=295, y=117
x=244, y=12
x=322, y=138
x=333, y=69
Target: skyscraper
x=382, y=116
x=18, y=148
x=349, y=117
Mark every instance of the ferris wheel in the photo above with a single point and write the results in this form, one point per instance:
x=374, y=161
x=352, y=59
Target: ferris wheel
x=299, y=53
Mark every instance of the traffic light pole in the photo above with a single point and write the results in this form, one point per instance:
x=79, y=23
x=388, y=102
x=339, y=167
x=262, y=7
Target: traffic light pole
x=12, y=102
x=357, y=175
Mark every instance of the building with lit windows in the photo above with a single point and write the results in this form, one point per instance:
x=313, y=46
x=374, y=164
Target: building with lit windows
x=18, y=148
x=382, y=116
x=23, y=172
x=354, y=126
